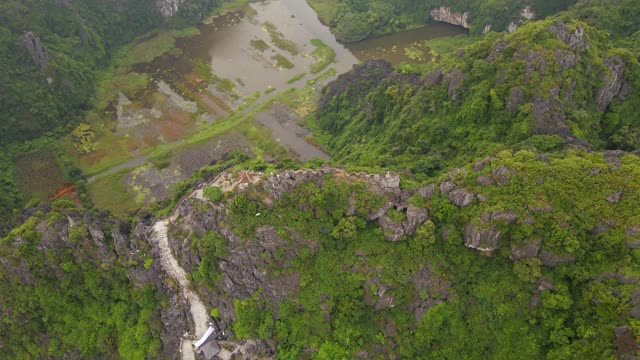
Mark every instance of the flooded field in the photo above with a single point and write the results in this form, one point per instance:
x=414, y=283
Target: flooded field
x=213, y=84
x=404, y=47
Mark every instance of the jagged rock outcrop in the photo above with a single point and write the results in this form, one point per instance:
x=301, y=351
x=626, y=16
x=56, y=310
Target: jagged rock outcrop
x=625, y=342
x=528, y=249
x=551, y=259
x=575, y=38
x=482, y=236
x=427, y=191
x=502, y=175
x=447, y=187
x=379, y=299
x=244, y=266
x=484, y=180
x=434, y=289
x=391, y=230
x=433, y=78
x=415, y=217
x=34, y=46
x=446, y=14
x=461, y=197
x=453, y=80
x=633, y=237
x=357, y=81
x=168, y=8
x=612, y=81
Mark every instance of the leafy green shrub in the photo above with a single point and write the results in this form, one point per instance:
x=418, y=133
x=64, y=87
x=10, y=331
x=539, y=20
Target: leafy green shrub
x=213, y=193
x=162, y=160
x=353, y=27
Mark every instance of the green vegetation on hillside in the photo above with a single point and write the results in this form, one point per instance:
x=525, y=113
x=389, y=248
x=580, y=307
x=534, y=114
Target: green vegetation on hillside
x=552, y=77
x=68, y=295
x=427, y=296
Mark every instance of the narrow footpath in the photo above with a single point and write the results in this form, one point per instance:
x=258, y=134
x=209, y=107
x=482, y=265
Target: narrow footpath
x=171, y=266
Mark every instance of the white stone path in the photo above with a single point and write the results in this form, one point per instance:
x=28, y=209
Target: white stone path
x=171, y=266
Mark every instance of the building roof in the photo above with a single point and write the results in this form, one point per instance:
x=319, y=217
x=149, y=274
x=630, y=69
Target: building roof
x=207, y=344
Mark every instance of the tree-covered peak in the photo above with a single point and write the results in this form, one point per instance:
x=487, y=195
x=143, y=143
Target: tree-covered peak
x=552, y=77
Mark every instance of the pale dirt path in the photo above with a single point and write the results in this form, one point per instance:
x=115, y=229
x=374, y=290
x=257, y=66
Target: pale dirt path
x=170, y=266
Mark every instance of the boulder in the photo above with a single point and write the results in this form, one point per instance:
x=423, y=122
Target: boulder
x=434, y=78
x=635, y=301
x=484, y=180
x=479, y=165
x=625, y=342
x=380, y=212
x=633, y=240
x=615, y=197
x=507, y=216
x=415, y=217
x=528, y=249
x=427, y=191
x=447, y=187
x=481, y=238
x=390, y=181
x=552, y=259
x=501, y=175
x=545, y=285
x=392, y=231
x=461, y=197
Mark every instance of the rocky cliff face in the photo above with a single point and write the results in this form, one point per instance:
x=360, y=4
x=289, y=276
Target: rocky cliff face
x=99, y=242
x=38, y=53
x=168, y=8
x=243, y=267
x=446, y=14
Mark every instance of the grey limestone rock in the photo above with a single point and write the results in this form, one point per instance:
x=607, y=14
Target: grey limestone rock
x=415, y=217
x=36, y=50
x=553, y=259
x=453, y=80
x=515, y=99
x=612, y=81
x=484, y=180
x=427, y=191
x=482, y=237
x=461, y=197
x=447, y=187
x=615, y=197
x=392, y=231
x=528, y=249
x=574, y=38
x=434, y=78
x=502, y=175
